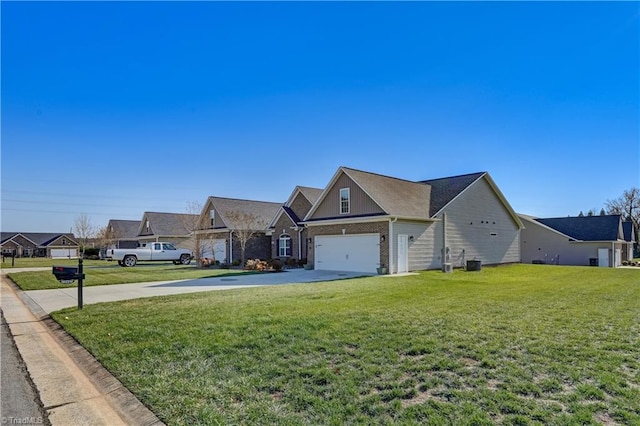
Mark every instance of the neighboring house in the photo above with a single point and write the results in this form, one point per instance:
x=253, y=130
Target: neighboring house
x=288, y=235
x=364, y=220
x=39, y=244
x=580, y=241
x=630, y=238
x=174, y=228
x=123, y=233
x=223, y=221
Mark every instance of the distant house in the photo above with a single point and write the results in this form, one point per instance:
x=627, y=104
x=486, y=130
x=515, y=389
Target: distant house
x=169, y=227
x=39, y=244
x=123, y=233
x=222, y=221
x=288, y=234
x=364, y=220
x=580, y=241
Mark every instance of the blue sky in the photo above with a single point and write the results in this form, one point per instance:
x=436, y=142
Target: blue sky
x=113, y=109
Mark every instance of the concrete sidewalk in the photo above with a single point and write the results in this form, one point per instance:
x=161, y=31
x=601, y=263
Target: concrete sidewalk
x=73, y=387
x=56, y=299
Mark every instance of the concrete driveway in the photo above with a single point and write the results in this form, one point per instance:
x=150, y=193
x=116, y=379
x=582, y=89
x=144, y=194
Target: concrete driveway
x=56, y=299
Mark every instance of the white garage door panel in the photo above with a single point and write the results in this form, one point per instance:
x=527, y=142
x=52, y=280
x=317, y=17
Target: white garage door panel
x=359, y=253
x=216, y=249
x=61, y=253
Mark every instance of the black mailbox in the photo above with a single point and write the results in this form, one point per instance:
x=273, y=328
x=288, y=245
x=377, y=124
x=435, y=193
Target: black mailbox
x=65, y=273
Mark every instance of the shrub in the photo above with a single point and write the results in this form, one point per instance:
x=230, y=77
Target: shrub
x=235, y=263
x=275, y=264
x=302, y=262
x=89, y=252
x=256, y=265
x=291, y=262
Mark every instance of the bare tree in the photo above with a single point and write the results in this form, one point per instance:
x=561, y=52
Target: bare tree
x=246, y=225
x=84, y=230
x=106, y=236
x=191, y=222
x=627, y=205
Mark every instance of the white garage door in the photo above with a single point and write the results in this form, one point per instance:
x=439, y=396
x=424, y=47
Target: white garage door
x=216, y=249
x=61, y=253
x=358, y=253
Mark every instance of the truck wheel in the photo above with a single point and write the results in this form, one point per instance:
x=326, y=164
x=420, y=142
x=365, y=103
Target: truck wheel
x=129, y=261
x=185, y=259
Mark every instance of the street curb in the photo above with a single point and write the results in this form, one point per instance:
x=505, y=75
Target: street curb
x=124, y=403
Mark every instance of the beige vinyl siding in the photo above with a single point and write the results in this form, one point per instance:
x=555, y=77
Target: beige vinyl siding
x=480, y=227
x=361, y=203
x=421, y=249
x=541, y=243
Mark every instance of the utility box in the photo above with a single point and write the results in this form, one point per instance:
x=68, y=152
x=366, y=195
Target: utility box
x=474, y=265
x=447, y=268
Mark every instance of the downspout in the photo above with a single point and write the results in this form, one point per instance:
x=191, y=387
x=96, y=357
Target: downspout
x=300, y=242
x=392, y=264
x=230, y=247
x=613, y=254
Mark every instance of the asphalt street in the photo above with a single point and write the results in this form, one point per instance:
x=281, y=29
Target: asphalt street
x=19, y=400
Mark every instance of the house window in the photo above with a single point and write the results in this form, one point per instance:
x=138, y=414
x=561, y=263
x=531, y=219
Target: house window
x=212, y=216
x=284, y=246
x=64, y=242
x=147, y=226
x=345, y=201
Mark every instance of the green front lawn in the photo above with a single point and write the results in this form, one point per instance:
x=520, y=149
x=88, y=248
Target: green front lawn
x=521, y=344
x=114, y=274
x=38, y=262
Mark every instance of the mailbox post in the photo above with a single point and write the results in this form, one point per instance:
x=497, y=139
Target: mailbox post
x=67, y=275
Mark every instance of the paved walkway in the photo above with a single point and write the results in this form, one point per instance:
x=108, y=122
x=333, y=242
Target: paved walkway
x=54, y=300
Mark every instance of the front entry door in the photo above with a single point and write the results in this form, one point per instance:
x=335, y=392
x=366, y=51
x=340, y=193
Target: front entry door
x=403, y=253
x=603, y=257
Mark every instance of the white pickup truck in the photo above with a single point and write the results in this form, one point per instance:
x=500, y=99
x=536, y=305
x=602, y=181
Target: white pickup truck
x=150, y=252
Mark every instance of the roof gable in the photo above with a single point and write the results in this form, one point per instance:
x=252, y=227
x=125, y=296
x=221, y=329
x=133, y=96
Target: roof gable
x=41, y=239
x=587, y=228
x=124, y=228
x=395, y=197
x=444, y=190
x=230, y=211
x=165, y=224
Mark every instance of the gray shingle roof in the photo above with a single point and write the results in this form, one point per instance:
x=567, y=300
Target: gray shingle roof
x=587, y=228
x=40, y=238
x=125, y=228
x=627, y=229
x=262, y=211
x=397, y=197
x=311, y=194
x=444, y=190
x=167, y=223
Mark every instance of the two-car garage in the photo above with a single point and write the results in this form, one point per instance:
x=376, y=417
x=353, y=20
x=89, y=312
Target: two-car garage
x=357, y=252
